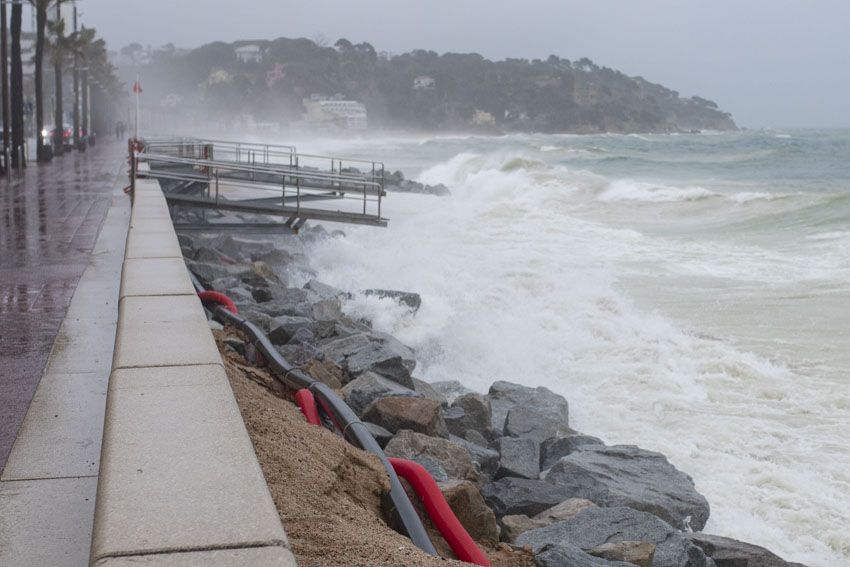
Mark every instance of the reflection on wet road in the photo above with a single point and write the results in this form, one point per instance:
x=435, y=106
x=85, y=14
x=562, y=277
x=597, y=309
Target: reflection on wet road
x=49, y=221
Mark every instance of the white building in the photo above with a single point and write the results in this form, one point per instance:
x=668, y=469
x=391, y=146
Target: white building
x=423, y=82
x=249, y=53
x=348, y=113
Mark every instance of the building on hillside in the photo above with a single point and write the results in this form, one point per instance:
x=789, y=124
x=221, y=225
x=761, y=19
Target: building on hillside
x=249, y=53
x=483, y=118
x=348, y=114
x=276, y=74
x=423, y=83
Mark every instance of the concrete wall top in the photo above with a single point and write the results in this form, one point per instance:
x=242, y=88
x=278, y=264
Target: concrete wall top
x=179, y=481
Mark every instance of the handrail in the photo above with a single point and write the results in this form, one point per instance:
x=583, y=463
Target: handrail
x=250, y=168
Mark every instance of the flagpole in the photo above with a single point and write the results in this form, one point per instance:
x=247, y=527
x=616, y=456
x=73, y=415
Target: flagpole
x=137, y=88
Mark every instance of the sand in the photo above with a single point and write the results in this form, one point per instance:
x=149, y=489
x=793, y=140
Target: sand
x=328, y=492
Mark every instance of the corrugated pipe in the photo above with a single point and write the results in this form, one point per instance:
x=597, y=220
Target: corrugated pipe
x=353, y=430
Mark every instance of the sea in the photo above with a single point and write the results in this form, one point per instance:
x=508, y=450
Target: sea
x=689, y=294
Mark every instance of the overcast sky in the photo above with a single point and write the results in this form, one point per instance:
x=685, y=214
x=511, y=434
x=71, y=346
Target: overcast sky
x=772, y=63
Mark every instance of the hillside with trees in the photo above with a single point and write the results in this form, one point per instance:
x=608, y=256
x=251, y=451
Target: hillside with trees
x=420, y=90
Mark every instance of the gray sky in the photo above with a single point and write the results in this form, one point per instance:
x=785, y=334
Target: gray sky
x=772, y=63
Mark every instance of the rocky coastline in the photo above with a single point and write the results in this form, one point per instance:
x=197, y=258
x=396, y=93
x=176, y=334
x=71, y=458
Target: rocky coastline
x=508, y=461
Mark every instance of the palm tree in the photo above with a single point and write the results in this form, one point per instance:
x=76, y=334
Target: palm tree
x=40, y=7
x=57, y=56
x=17, y=88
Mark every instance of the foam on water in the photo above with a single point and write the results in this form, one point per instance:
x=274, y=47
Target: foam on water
x=528, y=273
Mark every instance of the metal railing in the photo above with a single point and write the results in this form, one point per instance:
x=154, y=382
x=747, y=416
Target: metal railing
x=260, y=188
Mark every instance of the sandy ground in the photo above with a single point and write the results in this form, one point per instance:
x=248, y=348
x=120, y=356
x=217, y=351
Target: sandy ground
x=327, y=492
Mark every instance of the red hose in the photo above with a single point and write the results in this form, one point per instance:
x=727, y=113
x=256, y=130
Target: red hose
x=220, y=298
x=439, y=511
x=305, y=400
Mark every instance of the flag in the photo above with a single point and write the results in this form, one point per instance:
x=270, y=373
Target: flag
x=137, y=87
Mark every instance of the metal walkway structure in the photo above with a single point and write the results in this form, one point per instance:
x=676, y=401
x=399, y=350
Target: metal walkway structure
x=273, y=184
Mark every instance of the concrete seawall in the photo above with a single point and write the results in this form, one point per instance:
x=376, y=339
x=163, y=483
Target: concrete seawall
x=179, y=480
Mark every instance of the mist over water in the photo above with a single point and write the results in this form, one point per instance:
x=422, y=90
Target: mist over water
x=688, y=294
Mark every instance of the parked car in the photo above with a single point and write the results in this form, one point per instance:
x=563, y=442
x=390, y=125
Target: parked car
x=49, y=134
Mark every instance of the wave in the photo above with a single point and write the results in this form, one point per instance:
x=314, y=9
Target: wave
x=627, y=190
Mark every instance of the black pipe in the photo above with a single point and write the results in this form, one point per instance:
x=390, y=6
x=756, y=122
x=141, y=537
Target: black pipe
x=399, y=507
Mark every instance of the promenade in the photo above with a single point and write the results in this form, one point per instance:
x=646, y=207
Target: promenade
x=63, y=227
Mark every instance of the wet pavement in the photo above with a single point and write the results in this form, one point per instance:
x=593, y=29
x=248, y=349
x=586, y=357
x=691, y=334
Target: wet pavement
x=49, y=220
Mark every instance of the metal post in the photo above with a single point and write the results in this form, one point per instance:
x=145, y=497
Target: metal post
x=298, y=194
x=216, y=187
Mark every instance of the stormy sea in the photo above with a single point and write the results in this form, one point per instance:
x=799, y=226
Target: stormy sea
x=686, y=293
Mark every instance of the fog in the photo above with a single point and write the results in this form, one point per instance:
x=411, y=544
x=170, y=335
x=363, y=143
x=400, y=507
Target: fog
x=771, y=63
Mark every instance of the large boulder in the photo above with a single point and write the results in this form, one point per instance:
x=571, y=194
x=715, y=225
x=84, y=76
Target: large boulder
x=465, y=500
x=368, y=387
x=486, y=459
x=625, y=475
x=518, y=458
x=552, y=449
x=326, y=310
x=470, y=412
x=593, y=527
x=417, y=414
x=407, y=298
x=450, y=389
x=452, y=459
x=381, y=435
x=324, y=290
x=513, y=526
x=510, y=496
x=504, y=396
x=376, y=352
x=428, y=391
x=727, y=552
x=284, y=327
x=527, y=422
x=566, y=555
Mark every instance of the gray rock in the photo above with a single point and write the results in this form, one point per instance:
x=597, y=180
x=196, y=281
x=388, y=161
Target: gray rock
x=526, y=422
x=566, y=555
x=239, y=294
x=486, y=459
x=236, y=345
x=260, y=319
x=519, y=458
x=324, y=290
x=595, y=526
x=450, y=389
x=625, y=475
x=470, y=412
x=302, y=335
x=283, y=328
x=207, y=273
x=428, y=391
x=376, y=352
x=474, y=437
x=276, y=308
x=451, y=458
x=411, y=300
x=416, y=414
x=552, y=449
x=505, y=395
x=227, y=285
x=508, y=496
x=326, y=310
x=514, y=525
x=727, y=552
x=368, y=387
x=381, y=435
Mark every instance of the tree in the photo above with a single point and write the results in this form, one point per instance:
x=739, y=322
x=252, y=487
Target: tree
x=17, y=89
x=40, y=7
x=57, y=55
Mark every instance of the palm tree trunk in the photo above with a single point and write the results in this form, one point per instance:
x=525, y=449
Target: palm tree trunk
x=4, y=77
x=40, y=24
x=84, y=80
x=17, y=88
x=58, y=120
x=76, y=89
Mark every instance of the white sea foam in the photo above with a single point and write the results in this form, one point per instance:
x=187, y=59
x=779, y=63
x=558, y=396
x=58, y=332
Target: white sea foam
x=521, y=282
x=627, y=190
